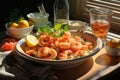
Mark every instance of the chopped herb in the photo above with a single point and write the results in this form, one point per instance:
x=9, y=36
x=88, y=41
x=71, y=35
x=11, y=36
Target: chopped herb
x=57, y=31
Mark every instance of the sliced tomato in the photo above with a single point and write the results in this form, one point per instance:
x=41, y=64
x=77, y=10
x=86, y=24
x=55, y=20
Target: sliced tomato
x=8, y=46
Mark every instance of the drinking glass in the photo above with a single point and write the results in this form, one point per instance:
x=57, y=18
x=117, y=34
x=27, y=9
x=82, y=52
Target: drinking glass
x=61, y=12
x=100, y=21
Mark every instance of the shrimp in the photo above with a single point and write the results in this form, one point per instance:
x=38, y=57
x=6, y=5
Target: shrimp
x=66, y=36
x=47, y=53
x=45, y=40
x=87, y=46
x=55, y=42
x=31, y=52
x=75, y=46
x=81, y=53
x=64, y=45
x=66, y=54
x=75, y=38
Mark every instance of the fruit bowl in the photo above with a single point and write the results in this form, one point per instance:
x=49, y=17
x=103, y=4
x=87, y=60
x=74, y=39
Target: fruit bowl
x=18, y=33
x=63, y=64
x=38, y=19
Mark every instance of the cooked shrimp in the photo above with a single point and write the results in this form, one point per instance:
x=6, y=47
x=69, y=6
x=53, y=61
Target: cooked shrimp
x=75, y=46
x=45, y=40
x=66, y=36
x=52, y=47
x=31, y=52
x=66, y=54
x=47, y=53
x=79, y=53
x=75, y=38
x=55, y=42
x=64, y=45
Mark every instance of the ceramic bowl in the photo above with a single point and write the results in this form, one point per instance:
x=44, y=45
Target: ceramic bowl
x=18, y=33
x=38, y=19
x=64, y=64
x=77, y=25
x=112, y=47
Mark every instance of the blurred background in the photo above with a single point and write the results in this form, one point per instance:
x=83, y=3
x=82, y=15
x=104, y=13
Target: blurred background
x=23, y=7
x=78, y=10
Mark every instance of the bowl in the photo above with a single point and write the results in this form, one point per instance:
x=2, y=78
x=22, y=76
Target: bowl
x=112, y=47
x=63, y=64
x=77, y=25
x=38, y=19
x=18, y=33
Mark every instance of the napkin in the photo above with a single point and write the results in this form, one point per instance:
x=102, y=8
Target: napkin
x=2, y=67
x=24, y=69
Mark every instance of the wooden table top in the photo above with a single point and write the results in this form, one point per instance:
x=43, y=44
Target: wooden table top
x=101, y=62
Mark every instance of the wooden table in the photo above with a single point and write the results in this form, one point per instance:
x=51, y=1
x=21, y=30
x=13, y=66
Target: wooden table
x=92, y=69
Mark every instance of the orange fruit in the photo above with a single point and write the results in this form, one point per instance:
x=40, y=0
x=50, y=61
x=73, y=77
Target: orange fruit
x=13, y=25
x=23, y=24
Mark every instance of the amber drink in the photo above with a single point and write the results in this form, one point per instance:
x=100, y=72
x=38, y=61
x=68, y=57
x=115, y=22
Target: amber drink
x=100, y=28
x=100, y=20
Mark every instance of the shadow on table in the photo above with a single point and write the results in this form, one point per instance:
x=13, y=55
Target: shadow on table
x=76, y=72
x=107, y=60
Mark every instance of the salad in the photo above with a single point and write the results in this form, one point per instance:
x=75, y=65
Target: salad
x=56, y=43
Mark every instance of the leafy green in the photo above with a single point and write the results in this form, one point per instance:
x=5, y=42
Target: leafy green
x=66, y=28
x=57, y=26
x=39, y=30
x=46, y=29
x=57, y=31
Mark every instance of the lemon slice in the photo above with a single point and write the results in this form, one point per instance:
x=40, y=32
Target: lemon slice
x=31, y=41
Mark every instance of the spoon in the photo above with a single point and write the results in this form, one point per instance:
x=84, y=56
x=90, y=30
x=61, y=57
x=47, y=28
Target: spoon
x=42, y=9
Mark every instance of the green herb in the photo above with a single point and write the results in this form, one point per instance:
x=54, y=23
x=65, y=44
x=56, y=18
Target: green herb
x=57, y=26
x=57, y=31
x=47, y=29
x=65, y=28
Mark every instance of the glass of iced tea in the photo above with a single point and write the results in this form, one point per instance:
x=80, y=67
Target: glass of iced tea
x=100, y=21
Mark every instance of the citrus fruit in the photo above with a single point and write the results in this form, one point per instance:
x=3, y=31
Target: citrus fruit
x=23, y=24
x=31, y=41
x=13, y=25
